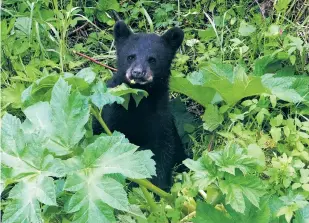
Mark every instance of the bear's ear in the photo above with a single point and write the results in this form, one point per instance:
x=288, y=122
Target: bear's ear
x=174, y=37
x=121, y=31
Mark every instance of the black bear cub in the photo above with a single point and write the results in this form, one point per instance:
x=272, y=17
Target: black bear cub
x=143, y=61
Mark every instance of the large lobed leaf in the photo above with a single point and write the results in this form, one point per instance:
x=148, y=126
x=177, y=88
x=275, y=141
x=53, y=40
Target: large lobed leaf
x=95, y=190
x=231, y=84
x=236, y=188
x=231, y=158
x=31, y=167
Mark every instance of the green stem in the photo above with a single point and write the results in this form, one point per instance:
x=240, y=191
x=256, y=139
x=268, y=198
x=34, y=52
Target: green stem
x=97, y=115
x=151, y=187
x=150, y=201
x=142, y=182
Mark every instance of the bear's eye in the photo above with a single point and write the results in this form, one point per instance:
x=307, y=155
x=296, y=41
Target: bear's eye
x=152, y=60
x=131, y=58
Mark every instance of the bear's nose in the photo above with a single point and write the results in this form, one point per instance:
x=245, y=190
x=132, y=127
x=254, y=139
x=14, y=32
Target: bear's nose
x=137, y=73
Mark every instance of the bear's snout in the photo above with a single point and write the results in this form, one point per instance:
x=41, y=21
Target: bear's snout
x=138, y=75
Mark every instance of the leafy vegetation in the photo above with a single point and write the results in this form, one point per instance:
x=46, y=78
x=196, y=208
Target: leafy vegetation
x=240, y=90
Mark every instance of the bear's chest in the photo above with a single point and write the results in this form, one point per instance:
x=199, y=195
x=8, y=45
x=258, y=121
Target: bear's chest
x=137, y=123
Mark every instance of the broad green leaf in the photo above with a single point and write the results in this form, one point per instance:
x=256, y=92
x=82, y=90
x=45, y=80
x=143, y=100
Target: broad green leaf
x=256, y=152
x=275, y=133
x=25, y=155
x=297, y=43
x=40, y=90
x=114, y=154
x=12, y=137
x=212, y=118
x=232, y=85
x=107, y=5
x=207, y=213
x=87, y=74
x=207, y=34
x=246, y=29
x=40, y=116
x=5, y=177
x=291, y=203
x=252, y=214
x=282, y=5
x=237, y=187
x=12, y=95
x=205, y=172
x=93, y=185
x=70, y=111
x=231, y=158
x=19, y=211
x=24, y=25
x=124, y=91
x=302, y=215
x=273, y=30
x=260, y=64
x=286, y=88
x=276, y=121
x=101, y=97
x=202, y=95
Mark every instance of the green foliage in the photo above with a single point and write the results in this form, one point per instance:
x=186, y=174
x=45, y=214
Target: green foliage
x=30, y=149
x=242, y=72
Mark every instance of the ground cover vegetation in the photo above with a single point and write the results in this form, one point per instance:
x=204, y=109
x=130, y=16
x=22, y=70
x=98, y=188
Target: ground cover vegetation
x=240, y=96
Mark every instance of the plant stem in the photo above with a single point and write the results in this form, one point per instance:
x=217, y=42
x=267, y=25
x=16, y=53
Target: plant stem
x=142, y=182
x=97, y=115
x=189, y=216
x=151, y=187
x=152, y=204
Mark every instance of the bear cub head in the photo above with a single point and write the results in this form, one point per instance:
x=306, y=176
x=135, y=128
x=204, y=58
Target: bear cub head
x=144, y=60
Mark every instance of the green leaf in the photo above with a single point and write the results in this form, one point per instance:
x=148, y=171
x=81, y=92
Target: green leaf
x=124, y=91
x=205, y=172
x=101, y=97
x=12, y=137
x=252, y=214
x=291, y=203
x=207, y=213
x=24, y=25
x=87, y=74
x=207, y=34
x=302, y=215
x=256, y=152
x=93, y=183
x=202, y=95
x=19, y=211
x=231, y=158
x=284, y=87
x=70, y=111
x=275, y=133
x=246, y=29
x=107, y=5
x=40, y=90
x=12, y=95
x=260, y=64
x=212, y=118
x=232, y=85
x=89, y=209
x=236, y=187
x=282, y=5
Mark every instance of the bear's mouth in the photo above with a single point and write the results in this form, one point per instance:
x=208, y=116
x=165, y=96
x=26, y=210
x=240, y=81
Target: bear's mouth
x=141, y=81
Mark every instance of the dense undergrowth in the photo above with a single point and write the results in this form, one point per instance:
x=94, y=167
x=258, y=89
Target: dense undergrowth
x=240, y=90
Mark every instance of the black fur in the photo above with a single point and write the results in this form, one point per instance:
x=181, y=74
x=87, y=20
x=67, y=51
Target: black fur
x=151, y=124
